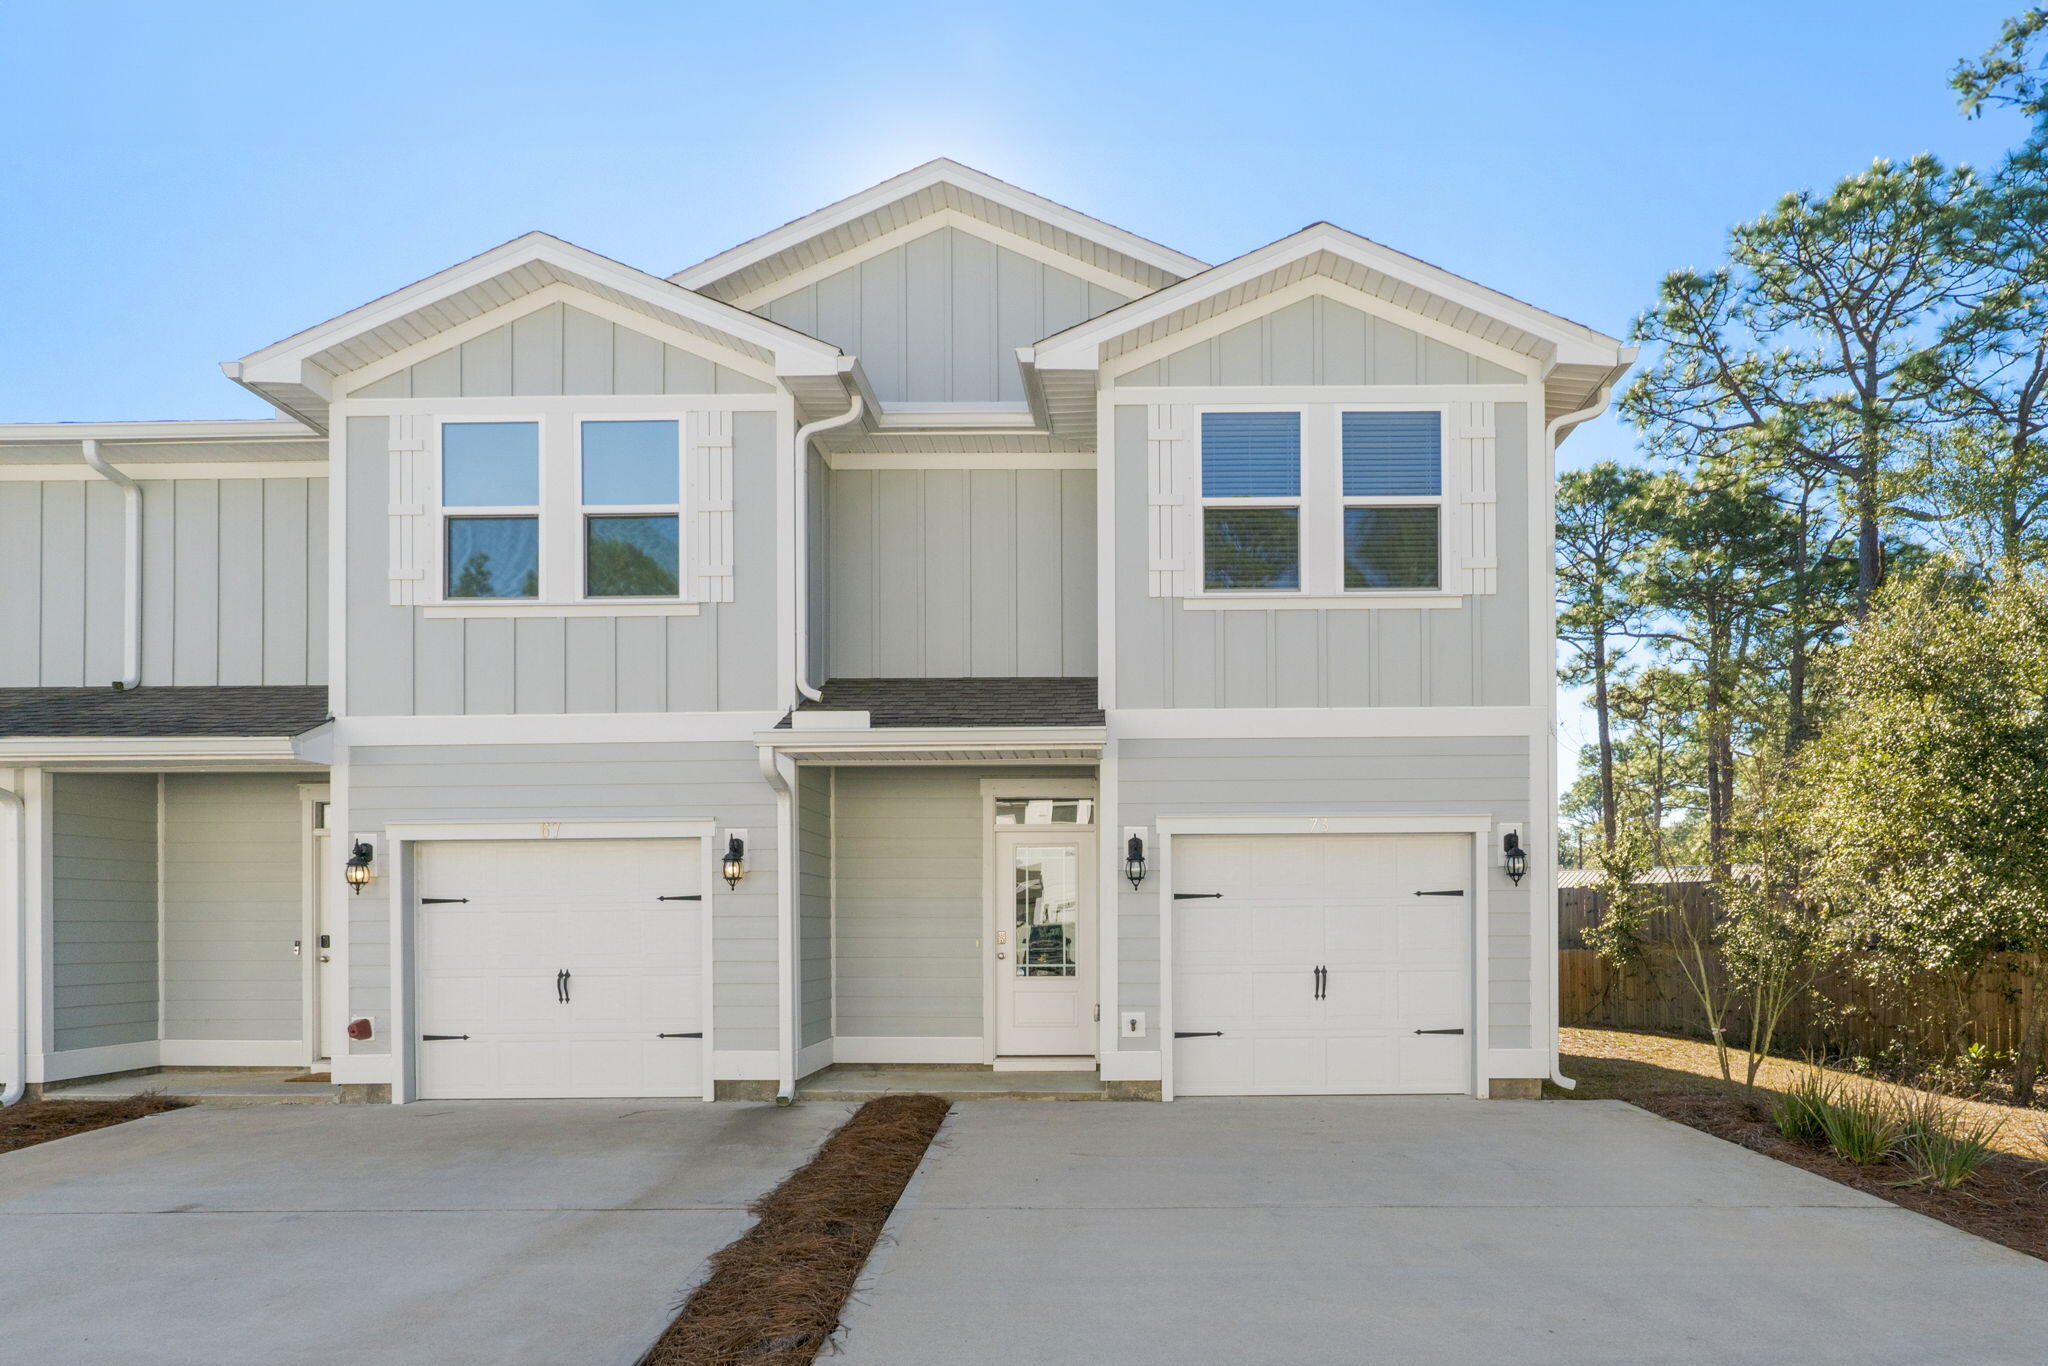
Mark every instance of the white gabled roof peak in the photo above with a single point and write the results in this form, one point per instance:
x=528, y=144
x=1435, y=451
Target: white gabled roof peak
x=1323, y=248
x=935, y=186
x=295, y=373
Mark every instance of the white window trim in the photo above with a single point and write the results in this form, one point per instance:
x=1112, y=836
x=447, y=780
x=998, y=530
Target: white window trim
x=1321, y=505
x=560, y=513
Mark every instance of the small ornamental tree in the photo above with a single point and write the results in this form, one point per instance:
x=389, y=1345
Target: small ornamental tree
x=1925, y=804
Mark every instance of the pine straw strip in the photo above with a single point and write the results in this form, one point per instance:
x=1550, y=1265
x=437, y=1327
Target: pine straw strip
x=39, y=1121
x=773, y=1297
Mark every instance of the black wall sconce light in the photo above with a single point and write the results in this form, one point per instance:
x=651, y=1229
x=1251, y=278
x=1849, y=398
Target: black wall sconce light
x=1134, y=860
x=357, y=870
x=735, y=864
x=1514, y=859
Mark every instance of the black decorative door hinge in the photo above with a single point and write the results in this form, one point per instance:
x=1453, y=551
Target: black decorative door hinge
x=444, y=901
x=1439, y=1031
x=1197, y=1034
x=694, y=896
x=698, y=1035
x=1198, y=896
x=435, y=1038
x=1455, y=891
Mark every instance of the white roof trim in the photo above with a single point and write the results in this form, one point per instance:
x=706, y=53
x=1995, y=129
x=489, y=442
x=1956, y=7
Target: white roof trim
x=295, y=363
x=224, y=429
x=1082, y=346
x=935, y=173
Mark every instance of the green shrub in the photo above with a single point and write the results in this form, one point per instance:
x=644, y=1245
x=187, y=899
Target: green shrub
x=1939, y=1144
x=1863, y=1126
x=1798, y=1111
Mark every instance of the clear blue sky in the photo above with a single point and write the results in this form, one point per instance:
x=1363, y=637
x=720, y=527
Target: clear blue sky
x=181, y=184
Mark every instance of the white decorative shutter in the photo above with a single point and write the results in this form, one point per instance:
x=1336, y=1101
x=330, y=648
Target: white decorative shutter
x=407, y=485
x=1174, y=552
x=707, y=474
x=1472, y=437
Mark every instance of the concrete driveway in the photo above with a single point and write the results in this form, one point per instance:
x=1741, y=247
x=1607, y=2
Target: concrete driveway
x=1411, y=1230
x=551, y=1232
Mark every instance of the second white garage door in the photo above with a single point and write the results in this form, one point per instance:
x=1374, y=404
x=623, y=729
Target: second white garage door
x=1318, y=970
x=551, y=968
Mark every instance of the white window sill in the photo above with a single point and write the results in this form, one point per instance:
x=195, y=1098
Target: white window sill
x=1351, y=602
x=449, y=611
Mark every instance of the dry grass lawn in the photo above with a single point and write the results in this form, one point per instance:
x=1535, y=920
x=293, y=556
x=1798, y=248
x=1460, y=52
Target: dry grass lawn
x=39, y=1121
x=1614, y=1064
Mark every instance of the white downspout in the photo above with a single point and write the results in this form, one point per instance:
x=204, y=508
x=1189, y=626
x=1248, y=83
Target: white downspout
x=781, y=775
x=1551, y=432
x=802, y=579
x=16, y=899
x=131, y=573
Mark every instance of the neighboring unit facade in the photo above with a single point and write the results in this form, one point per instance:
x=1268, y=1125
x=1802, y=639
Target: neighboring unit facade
x=946, y=629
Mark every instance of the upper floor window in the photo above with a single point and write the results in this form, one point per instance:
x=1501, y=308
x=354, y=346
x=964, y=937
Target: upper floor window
x=1322, y=501
x=604, y=524
x=632, y=509
x=490, y=489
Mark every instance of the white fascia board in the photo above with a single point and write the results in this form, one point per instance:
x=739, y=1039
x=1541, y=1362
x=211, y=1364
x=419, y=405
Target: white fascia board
x=1077, y=348
x=222, y=429
x=940, y=171
x=283, y=361
x=57, y=751
x=936, y=737
x=1323, y=723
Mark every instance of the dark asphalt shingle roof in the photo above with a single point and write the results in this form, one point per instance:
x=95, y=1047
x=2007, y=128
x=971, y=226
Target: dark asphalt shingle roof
x=160, y=712
x=963, y=701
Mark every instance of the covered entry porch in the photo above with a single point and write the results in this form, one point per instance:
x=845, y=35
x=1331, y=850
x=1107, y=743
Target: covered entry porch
x=946, y=928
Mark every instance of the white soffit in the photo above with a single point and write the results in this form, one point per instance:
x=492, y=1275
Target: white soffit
x=919, y=193
x=296, y=373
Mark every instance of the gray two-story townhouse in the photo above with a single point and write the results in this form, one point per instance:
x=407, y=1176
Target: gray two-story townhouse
x=944, y=630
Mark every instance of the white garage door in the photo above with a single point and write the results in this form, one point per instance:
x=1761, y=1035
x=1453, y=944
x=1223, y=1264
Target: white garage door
x=1318, y=970
x=555, y=968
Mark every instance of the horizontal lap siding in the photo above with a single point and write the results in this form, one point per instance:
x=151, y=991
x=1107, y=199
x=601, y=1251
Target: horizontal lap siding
x=814, y=906
x=721, y=782
x=104, y=933
x=723, y=659
x=960, y=573
x=1474, y=654
x=1334, y=777
x=907, y=935
x=939, y=319
x=234, y=575
x=233, y=906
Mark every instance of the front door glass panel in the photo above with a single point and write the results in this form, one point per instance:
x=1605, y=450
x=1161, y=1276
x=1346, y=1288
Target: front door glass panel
x=1045, y=896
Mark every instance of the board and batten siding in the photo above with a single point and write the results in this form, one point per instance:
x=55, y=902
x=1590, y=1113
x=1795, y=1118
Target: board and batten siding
x=939, y=319
x=1319, y=340
x=960, y=573
x=401, y=663
x=814, y=905
x=1473, y=654
x=719, y=781
x=561, y=349
x=233, y=896
x=1328, y=777
x=234, y=581
x=103, y=951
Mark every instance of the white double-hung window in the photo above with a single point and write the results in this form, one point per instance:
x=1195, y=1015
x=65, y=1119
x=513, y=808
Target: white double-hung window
x=561, y=511
x=1321, y=501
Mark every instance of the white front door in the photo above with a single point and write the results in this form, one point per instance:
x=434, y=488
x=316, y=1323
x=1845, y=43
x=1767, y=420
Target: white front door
x=559, y=968
x=1045, y=943
x=1321, y=964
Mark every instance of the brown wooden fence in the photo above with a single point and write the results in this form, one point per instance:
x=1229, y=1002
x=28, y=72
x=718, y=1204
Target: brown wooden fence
x=1845, y=1015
